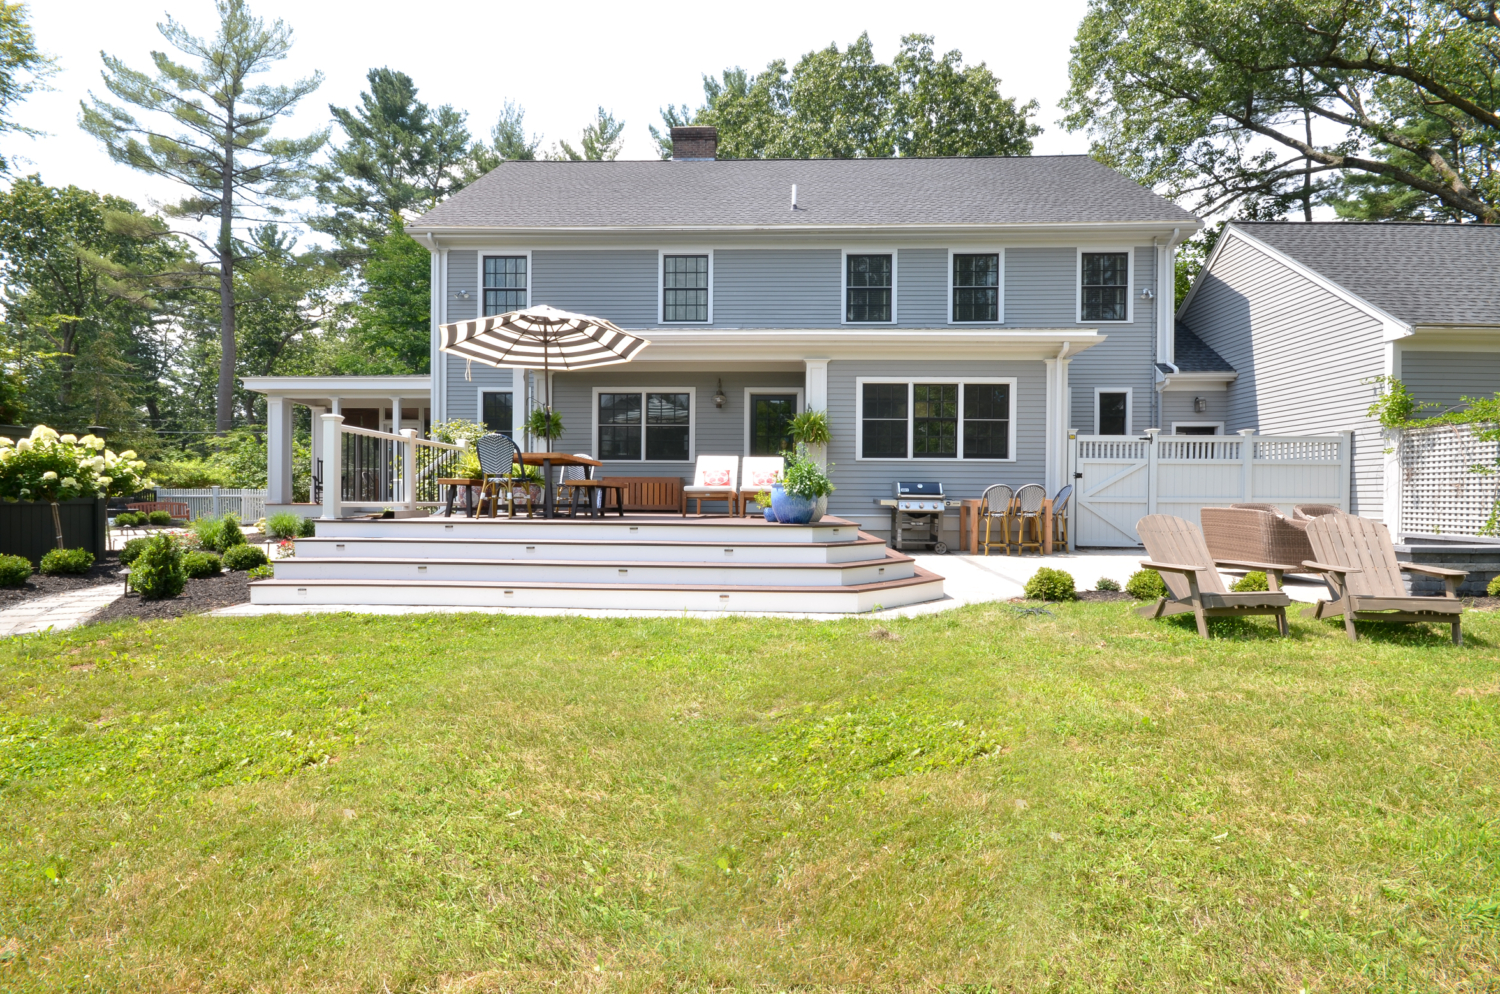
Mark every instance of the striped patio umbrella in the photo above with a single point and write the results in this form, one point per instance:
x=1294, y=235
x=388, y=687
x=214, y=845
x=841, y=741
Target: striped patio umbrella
x=542, y=337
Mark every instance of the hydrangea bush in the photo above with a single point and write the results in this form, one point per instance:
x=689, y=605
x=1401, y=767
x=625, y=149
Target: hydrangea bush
x=54, y=468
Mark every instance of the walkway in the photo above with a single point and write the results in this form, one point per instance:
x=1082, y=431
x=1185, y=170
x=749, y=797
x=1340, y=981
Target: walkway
x=58, y=612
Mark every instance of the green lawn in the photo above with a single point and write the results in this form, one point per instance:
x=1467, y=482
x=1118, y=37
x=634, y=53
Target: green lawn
x=1073, y=801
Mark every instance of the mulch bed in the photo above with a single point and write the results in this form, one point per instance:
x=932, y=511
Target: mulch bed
x=106, y=570
x=198, y=596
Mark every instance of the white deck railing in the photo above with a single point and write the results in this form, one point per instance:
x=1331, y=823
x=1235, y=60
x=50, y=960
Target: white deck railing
x=364, y=468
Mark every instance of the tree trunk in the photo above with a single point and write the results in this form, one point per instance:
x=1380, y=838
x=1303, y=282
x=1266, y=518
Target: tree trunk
x=224, y=412
x=57, y=524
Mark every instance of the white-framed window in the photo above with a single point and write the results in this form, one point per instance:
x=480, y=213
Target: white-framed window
x=868, y=286
x=504, y=282
x=497, y=410
x=644, y=424
x=971, y=417
x=685, y=286
x=976, y=286
x=767, y=410
x=1197, y=427
x=1112, y=410
x=1105, y=277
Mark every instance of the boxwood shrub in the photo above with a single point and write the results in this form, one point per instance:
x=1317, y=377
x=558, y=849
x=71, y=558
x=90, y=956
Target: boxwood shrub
x=198, y=565
x=130, y=519
x=74, y=561
x=157, y=572
x=1251, y=582
x=1048, y=584
x=159, y=517
x=14, y=570
x=132, y=549
x=242, y=557
x=1145, y=585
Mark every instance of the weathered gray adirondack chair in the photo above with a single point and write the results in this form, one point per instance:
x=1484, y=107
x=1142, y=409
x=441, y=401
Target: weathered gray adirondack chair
x=1180, y=555
x=1355, y=557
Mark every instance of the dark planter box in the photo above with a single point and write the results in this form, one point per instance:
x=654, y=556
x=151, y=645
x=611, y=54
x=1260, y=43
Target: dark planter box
x=26, y=527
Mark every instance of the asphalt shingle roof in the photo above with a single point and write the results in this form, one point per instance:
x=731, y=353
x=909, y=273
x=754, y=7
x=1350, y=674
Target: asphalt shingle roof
x=1423, y=274
x=830, y=192
x=1193, y=354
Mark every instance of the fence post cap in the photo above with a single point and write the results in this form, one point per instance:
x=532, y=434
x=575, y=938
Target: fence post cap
x=1246, y=432
x=332, y=417
x=409, y=432
x=1153, y=432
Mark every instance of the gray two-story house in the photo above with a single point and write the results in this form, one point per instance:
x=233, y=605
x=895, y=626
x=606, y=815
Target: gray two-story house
x=954, y=317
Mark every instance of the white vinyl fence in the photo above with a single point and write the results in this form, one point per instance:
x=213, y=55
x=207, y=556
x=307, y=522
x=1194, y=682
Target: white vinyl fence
x=1441, y=494
x=214, y=502
x=1119, y=479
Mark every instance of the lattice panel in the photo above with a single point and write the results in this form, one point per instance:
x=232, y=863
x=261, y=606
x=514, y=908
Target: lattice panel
x=1440, y=494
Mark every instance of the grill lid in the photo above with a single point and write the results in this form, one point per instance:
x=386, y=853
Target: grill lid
x=907, y=488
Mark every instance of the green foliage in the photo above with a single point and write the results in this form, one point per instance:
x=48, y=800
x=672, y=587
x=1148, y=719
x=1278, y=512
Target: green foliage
x=199, y=565
x=602, y=141
x=158, y=572
x=52, y=467
x=508, y=140
x=160, y=518
x=803, y=477
x=1395, y=406
x=218, y=534
x=1145, y=585
x=843, y=105
x=284, y=524
x=389, y=334
x=763, y=499
x=542, y=423
x=307, y=529
x=811, y=427
x=1494, y=588
x=1048, y=584
x=1381, y=108
x=1105, y=583
x=264, y=572
x=130, y=519
x=133, y=549
x=457, y=430
x=69, y=561
x=1252, y=582
x=243, y=557
x=15, y=570
x=23, y=68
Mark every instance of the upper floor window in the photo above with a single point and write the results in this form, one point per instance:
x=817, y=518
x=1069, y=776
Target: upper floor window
x=684, y=288
x=504, y=284
x=867, y=288
x=1106, y=286
x=976, y=287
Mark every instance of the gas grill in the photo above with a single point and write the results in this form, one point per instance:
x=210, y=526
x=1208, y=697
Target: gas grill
x=917, y=516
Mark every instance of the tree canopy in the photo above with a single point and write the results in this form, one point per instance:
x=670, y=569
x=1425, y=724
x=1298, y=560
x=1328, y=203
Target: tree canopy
x=1381, y=108
x=844, y=105
x=23, y=68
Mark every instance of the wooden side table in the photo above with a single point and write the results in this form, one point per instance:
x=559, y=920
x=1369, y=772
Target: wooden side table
x=968, y=525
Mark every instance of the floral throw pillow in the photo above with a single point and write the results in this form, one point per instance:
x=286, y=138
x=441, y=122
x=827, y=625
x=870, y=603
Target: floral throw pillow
x=716, y=478
x=761, y=478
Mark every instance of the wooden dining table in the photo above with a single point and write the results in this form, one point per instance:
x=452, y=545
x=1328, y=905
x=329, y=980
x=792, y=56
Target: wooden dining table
x=546, y=460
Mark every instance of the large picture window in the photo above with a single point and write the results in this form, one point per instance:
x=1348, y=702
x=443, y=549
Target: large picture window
x=959, y=420
x=497, y=411
x=504, y=284
x=1106, y=286
x=684, y=288
x=645, y=425
x=867, y=288
x=976, y=287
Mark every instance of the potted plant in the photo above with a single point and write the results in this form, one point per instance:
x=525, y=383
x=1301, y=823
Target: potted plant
x=795, y=499
x=810, y=428
x=763, y=501
x=544, y=423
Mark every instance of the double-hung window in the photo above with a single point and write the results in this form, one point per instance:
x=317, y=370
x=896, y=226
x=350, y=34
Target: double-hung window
x=504, y=283
x=645, y=425
x=497, y=411
x=976, y=287
x=1106, y=286
x=867, y=288
x=967, y=419
x=684, y=288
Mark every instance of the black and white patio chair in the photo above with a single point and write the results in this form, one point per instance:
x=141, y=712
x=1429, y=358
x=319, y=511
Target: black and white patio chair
x=499, y=459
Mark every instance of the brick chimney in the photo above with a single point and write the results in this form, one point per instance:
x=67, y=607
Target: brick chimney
x=695, y=143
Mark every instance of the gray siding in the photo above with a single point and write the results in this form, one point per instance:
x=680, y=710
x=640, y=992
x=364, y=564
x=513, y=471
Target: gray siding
x=617, y=285
x=1445, y=378
x=1039, y=288
x=861, y=482
x=1177, y=405
x=785, y=288
x=922, y=288
x=1301, y=353
x=463, y=274
x=463, y=394
x=1123, y=359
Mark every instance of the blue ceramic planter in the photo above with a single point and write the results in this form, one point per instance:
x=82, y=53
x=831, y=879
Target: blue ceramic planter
x=770, y=514
x=791, y=510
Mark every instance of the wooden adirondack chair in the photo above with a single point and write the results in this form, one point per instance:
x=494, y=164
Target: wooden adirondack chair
x=1180, y=555
x=1355, y=557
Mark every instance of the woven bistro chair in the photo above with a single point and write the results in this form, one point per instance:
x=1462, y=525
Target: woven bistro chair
x=498, y=461
x=1060, y=517
x=995, y=504
x=1311, y=512
x=1272, y=508
x=1253, y=539
x=1029, y=501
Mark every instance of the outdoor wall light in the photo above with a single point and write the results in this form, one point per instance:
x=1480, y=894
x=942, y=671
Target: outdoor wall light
x=1146, y=293
x=1200, y=405
x=719, y=397
x=461, y=294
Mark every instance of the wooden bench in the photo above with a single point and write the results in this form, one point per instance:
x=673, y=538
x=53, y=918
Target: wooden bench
x=649, y=493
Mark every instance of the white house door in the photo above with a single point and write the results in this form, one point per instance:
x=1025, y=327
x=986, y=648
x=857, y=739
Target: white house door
x=1111, y=490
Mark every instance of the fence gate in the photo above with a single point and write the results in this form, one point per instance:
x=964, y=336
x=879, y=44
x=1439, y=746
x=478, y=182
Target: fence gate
x=1120, y=479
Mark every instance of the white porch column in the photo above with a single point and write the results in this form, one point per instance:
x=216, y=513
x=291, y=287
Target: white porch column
x=278, y=450
x=316, y=430
x=333, y=484
x=1054, y=428
x=815, y=392
x=395, y=415
x=336, y=408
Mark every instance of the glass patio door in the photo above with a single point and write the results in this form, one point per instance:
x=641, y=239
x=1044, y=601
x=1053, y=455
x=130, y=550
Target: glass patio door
x=770, y=415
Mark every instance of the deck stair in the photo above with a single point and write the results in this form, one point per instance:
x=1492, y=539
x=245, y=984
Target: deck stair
x=660, y=562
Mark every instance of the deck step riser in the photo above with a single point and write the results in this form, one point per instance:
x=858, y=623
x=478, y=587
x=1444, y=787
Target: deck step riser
x=521, y=551
x=614, y=530
x=554, y=572
x=821, y=601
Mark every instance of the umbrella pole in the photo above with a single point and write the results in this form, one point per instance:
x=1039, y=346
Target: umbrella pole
x=547, y=392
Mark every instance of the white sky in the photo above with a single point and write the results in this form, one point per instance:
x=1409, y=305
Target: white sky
x=557, y=60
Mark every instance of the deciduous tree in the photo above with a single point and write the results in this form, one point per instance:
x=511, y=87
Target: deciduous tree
x=23, y=69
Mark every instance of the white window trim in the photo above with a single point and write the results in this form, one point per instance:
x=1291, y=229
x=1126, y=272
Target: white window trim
x=844, y=285
x=692, y=393
x=859, y=416
x=751, y=391
x=661, y=285
x=1000, y=285
x=1129, y=407
x=499, y=253
x=515, y=405
x=1130, y=290
x=1217, y=426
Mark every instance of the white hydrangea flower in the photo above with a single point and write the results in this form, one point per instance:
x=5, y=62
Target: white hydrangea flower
x=68, y=481
x=49, y=475
x=105, y=481
x=23, y=445
x=6, y=440
x=69, y=439
x=41, y=433
x=128, y=454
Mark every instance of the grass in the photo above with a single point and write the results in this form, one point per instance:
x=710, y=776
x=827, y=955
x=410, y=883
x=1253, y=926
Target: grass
x=982, y=800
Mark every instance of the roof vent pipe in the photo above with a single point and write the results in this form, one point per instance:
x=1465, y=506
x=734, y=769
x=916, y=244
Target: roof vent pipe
x=794, y=196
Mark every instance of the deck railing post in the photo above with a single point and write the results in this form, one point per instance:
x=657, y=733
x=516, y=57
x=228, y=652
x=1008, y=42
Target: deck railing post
x=1247, y=458
x=333, y=470
x=409, y=467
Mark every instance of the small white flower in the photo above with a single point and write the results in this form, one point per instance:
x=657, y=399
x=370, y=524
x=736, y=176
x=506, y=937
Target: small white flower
x=23, y=445
x=68, y=481
x=49, y=475
x=69, y=439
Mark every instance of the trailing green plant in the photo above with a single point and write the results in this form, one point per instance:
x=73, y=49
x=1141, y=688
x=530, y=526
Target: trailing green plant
x=284, y=524
x=14, y=570
x=1048, y=584
x=159, y=518
x=157, y=572
x=72, y=561
x=803, y=477
x=1252, y=582
x=132, y=549
x=810, y=427
x=200, y=565
x=243, y=557
x=1105, y=583
x=544, y=424
x=261, y=572
x=1395, y=405
x=50, y=467
x=1145, y=585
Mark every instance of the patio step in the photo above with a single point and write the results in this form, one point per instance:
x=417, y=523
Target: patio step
x=865, y=548
x=633, y=527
